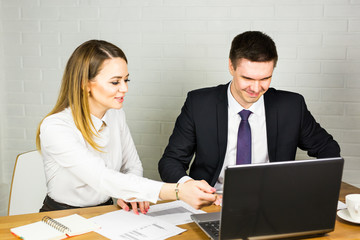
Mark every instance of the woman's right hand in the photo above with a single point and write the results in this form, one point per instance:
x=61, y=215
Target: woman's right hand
x=143, y=206
x=197, y=193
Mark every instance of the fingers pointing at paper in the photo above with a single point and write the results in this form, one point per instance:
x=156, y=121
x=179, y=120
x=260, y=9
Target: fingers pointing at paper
x=143, y=206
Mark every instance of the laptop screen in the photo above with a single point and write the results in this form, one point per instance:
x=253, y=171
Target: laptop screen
x=280, y=199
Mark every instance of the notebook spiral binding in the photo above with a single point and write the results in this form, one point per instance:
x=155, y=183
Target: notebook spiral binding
x=55, y=224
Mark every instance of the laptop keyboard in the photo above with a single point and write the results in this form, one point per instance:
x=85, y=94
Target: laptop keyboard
x=211, y=227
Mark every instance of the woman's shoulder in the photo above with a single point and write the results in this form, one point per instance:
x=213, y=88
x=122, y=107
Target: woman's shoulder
x=61, y=118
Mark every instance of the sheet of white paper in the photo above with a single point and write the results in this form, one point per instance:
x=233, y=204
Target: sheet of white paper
x=341, y=205
x=122, y=225
x=176, y=212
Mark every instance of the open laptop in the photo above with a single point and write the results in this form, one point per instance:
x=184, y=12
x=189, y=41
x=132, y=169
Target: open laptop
x=276, y=200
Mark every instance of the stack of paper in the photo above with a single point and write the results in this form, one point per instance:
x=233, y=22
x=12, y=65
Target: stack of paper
x=158, y=223
x=176, y=212
x=127, y=225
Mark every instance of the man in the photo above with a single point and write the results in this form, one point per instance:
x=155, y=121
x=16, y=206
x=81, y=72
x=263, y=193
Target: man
x=208, y=125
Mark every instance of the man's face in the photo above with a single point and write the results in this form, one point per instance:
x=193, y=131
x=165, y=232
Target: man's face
x=250, y=80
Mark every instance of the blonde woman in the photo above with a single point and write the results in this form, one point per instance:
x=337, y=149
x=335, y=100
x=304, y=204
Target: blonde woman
x=88, y=152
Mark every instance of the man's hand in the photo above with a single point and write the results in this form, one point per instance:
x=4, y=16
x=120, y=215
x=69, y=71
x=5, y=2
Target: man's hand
x=218, y=200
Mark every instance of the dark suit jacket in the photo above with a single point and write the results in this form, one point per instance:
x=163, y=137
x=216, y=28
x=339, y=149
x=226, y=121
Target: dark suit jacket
x=202, y=129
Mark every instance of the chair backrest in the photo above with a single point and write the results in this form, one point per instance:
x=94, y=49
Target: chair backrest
x=28, y=186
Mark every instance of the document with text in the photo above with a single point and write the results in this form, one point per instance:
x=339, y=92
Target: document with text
x=176, y=212
x=122, y=225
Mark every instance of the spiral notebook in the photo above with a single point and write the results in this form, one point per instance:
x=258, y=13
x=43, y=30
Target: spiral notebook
x=58, y=228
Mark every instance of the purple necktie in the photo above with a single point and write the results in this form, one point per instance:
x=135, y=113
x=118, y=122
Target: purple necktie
x=243, y=152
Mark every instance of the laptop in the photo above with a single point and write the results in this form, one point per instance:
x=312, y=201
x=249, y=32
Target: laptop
x=276, y=200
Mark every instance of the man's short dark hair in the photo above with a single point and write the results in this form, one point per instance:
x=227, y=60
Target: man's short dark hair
x=254, y=46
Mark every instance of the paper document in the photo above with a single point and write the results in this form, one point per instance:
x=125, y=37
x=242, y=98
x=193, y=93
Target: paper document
x=122, y=225
x=176, y=212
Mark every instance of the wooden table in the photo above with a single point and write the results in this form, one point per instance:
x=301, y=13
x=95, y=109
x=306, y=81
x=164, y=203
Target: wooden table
x=343, y=229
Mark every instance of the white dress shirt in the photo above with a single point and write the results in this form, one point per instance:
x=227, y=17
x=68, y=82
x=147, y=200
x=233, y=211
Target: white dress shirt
x=78, y=175
x=259, y=150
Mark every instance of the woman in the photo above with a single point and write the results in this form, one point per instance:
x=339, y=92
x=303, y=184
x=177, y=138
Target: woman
x=89, y=155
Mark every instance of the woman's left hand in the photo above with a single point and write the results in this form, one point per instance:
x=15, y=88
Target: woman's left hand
x=143, y=206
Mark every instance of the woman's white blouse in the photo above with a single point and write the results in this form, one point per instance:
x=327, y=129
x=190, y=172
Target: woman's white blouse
x=78, y=175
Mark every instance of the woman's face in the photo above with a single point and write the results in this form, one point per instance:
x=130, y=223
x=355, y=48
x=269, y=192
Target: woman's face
x=107, y=90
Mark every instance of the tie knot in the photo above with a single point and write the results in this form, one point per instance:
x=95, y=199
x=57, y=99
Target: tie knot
x=244, y=114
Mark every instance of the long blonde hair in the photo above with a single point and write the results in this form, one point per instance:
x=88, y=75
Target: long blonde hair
x=83, y=65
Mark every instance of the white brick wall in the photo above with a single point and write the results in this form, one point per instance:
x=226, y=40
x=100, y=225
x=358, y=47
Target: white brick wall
x=4, y=188
x=174, y=47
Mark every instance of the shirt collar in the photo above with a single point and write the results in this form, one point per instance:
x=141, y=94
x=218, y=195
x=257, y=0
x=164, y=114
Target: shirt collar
x=99, y=122
x=256, y=108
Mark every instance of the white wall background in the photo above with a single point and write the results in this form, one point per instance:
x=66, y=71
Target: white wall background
x=173, y=47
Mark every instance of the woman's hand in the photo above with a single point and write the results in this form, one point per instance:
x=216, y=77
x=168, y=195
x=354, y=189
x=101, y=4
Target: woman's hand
x=144, y=206
x=197, y=193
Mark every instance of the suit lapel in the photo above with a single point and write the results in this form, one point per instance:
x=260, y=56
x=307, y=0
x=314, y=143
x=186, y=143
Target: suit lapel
x=222, y=126
x=271, y=122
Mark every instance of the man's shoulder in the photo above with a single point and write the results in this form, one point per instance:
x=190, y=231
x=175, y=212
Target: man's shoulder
x=209, y=90
x=282, y=94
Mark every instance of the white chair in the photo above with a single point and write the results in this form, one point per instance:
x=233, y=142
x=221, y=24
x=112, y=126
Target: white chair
x=28, y=186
